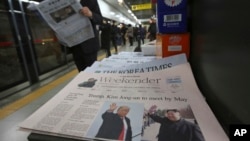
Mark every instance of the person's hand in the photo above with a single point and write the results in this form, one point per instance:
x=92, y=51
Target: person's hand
x=152, y=109
x=86, y=12
x=112, y=107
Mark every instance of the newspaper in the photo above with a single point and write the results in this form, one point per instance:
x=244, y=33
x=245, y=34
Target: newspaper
x=134, y=54
x=149, y=49
x=132, y=57
x=71, y=28
x=131, y=60
x=77, y=110
x=120, y=61
x=148, y=66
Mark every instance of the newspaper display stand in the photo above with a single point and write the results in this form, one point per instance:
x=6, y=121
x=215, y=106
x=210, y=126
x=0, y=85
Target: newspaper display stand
x=173, y=37
x=140, y=86
x=147, y=88
x=172, y=44
x=171, y=16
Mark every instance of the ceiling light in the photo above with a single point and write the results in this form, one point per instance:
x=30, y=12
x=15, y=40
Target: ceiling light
x=25, y=0
x=120, y=1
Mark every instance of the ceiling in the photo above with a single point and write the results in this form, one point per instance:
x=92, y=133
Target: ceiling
x=143, y=15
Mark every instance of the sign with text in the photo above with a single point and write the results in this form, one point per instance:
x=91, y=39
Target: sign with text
x=145, y=6
x=239, y=132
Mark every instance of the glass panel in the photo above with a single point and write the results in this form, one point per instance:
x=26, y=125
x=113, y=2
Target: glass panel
x=50, y=54
x=11, y=70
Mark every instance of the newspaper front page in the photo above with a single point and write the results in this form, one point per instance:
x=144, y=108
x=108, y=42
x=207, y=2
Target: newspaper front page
x=78, y=110
x=147, y=66
x=63, y=17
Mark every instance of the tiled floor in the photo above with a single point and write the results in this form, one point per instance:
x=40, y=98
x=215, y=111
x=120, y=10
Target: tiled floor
x=9, y=130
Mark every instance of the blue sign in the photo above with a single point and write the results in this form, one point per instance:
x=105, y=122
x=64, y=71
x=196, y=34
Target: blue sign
x=172, y=21
x=166, y=5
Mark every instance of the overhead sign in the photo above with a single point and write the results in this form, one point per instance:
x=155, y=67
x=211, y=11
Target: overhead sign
x=144, y=6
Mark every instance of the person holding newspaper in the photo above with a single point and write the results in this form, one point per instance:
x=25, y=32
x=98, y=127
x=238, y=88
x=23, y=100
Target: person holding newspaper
x=175, y=128
x=85, y=53
x=115, y=125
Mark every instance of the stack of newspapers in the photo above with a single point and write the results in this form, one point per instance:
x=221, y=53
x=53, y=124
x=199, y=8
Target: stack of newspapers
x=148, y=89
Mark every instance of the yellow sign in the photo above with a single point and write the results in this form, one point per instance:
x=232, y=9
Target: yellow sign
x=141, y=6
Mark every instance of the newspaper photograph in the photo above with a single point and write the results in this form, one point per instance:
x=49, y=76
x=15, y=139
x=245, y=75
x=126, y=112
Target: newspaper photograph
x=71, y=28
x=150, y=103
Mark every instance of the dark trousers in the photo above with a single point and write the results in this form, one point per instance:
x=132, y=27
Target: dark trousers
x=123, y=40
x=81, y=59
x=130, y=40
x=114, y=40
x=108, y=52
x=152, y=37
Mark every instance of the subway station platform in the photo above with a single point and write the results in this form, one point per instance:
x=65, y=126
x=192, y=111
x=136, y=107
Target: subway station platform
x=20, y=106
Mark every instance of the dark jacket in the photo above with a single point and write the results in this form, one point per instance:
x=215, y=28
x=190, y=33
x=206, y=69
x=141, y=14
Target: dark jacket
x=92, y=45
x=152, y=30
x=105, y=35
x=141, y=33
x=181, y=130
x=115, y=32
x=112, y=126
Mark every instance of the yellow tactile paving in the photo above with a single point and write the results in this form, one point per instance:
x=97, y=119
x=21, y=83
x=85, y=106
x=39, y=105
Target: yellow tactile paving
x=9, y=109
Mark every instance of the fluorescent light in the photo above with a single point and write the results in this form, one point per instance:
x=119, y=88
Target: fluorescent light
x=25, y=0
x=112, y=13
x=35, y=2
x=120, y=1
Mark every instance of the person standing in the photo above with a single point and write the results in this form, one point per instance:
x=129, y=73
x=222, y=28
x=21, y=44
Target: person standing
x=175, y=128
x=135, y=33
x=152, y=30
x=115, y=35
x=105, y=29
x=85, y=53
x=141, y=34
x=116, y=126
x=123, y=33
x=130, y=34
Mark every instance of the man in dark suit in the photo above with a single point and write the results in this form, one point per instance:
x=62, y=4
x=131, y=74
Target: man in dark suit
x=175, y=128
x=105, y=29
x=115, y=125
x=152, y=30
x=85, y=53
x=115, y=35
